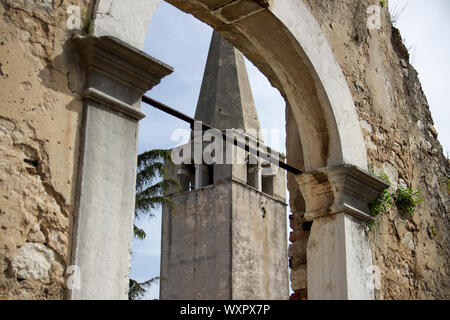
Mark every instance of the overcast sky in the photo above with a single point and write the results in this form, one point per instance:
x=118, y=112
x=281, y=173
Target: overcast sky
x=182, y=42
x=425, y=26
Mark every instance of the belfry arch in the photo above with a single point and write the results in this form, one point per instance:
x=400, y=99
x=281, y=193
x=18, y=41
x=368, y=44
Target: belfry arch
x=282, y=38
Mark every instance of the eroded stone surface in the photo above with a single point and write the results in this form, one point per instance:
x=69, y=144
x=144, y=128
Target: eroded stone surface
x=33, y=261
x=41, y=110
x=390, y=102
x=40, y=114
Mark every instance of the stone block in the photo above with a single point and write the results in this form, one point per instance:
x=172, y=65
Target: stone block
x=298, y=235
x=298, y=248
x=299, y=278
x=33, y=261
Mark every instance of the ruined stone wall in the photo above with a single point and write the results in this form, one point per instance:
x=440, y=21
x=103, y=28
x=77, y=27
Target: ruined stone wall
x=40, y=117
x=41, y=113
x=411, y=252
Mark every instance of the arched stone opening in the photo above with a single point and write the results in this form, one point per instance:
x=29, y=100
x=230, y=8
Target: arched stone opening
x=285, y=42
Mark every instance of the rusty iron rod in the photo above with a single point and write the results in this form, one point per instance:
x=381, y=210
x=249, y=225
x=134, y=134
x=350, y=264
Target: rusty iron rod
x=177, y=114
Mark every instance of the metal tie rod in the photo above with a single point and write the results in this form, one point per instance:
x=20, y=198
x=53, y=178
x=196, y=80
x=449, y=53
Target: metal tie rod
x=177, y=114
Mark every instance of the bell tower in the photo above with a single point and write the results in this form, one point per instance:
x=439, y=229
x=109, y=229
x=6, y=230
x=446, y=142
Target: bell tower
x=225, y=236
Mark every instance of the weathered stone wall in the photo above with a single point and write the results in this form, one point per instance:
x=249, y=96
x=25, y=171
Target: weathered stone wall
x=223, y=241
x=40, y=116
x=411, y=252
x=259, y=265
x=199, y=266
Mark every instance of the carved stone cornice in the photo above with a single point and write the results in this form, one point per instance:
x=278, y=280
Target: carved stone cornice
x=122, y=62
x=344, y=189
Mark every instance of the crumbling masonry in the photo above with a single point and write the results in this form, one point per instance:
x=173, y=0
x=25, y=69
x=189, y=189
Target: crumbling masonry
x=70, y=103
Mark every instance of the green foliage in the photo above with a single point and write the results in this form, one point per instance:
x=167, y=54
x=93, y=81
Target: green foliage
x=139, y=233
x=381, y=204
x=383, y=3
x=151, y=182
x=434, y=231
x=138, y=289
x=382, y=176
x=407, y=199
x=384, y=201
x=446, y=183
x=150, y=166
x=87, y=25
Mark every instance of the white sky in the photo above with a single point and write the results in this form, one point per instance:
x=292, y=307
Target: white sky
x=425, y=25
x=182, y=42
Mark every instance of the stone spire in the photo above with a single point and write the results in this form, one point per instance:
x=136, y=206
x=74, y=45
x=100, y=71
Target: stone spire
x=226, y=100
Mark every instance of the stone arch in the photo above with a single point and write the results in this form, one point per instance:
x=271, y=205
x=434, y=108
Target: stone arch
x=285, y=42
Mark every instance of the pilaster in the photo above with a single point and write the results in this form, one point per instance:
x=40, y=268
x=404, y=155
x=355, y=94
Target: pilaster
x=338, y=252
x=117, y=75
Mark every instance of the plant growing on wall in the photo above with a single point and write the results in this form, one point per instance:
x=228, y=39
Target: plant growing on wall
x=445, y=182
x=406, y=199
x=433, y=231
x=383, y=202
x=88, y=25
x=151, y=182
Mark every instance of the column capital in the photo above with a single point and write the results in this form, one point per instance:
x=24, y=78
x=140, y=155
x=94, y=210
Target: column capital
x=117, y=75
x=116, y=59
x=342, y=189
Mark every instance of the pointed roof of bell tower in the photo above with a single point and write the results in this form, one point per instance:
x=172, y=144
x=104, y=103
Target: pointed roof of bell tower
x=226, y=100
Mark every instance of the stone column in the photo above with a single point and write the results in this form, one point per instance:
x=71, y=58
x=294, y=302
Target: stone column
x=201, y=176
x=185, y=178
x=117, y=75
x=259, y=174
x=254, y=173
x=338, y=252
